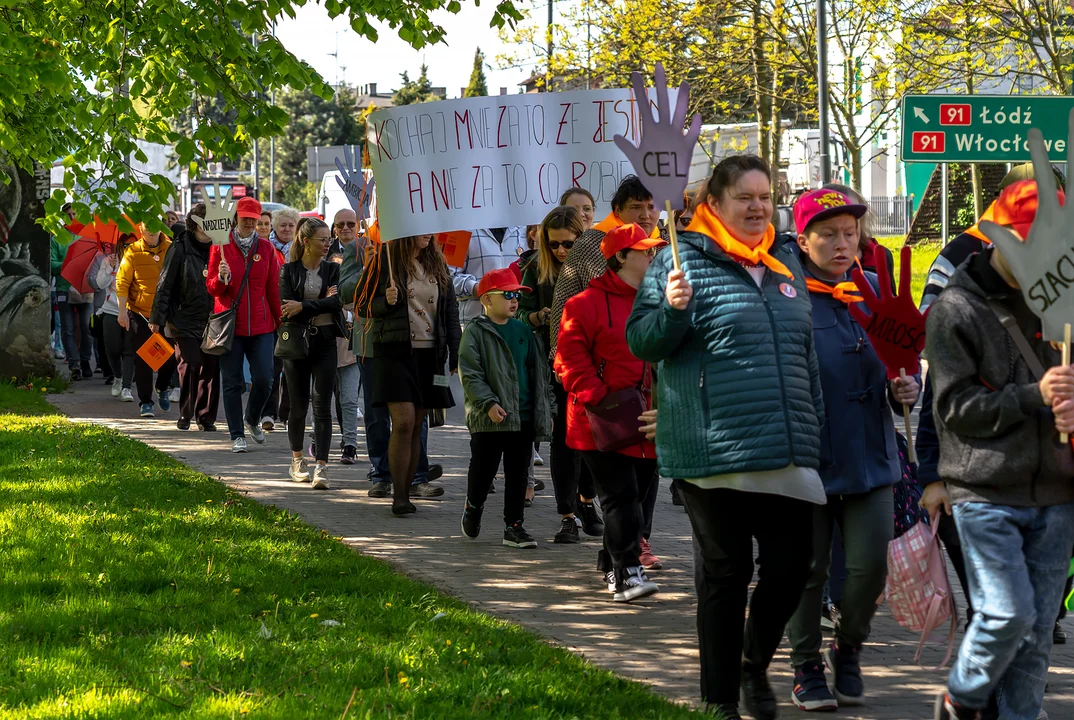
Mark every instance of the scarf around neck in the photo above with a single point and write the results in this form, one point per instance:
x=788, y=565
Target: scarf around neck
x=612, y=222
x=709, y=224
x=842, y=291
x=245, y=243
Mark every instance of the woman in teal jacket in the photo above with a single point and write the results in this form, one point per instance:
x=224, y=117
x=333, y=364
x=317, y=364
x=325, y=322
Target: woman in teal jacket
x=732, y=332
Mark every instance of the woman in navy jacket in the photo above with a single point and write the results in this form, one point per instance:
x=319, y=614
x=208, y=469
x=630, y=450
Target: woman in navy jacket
x=859, y=458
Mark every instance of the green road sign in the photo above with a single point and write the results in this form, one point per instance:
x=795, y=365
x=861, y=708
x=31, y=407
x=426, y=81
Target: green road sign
x=981, y=128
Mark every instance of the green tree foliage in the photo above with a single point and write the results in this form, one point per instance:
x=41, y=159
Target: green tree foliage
x=82, y=81
x=415, y=91
x=478, y=86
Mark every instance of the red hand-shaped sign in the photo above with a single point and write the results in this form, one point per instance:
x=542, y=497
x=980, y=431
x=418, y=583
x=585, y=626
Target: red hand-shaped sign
x=894, y=324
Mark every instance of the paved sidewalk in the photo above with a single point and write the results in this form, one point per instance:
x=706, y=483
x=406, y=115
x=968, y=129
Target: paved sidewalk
x=553, y=590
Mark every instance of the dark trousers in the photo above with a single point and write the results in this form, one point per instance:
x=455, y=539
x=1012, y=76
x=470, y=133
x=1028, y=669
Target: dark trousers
x=648, y=507
x=101, y=355
x=278, y=406
x=318, y=369
x=570, y=476
x=725, y=523
x=143, y=374
x=75, y=332
x=486, y=449
x=258, y=350
x=622, y=483
x=117, y=346
x=199, y=382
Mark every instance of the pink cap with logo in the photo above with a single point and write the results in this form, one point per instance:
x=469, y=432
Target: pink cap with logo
x=817, y=205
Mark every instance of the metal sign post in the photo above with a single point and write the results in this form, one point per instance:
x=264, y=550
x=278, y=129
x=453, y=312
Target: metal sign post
x=944, y=230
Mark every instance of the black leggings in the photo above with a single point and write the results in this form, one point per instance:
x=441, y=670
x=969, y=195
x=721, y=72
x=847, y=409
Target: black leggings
x=319, y=369
x=623, y=482
x=570, y=476
x=117, y=346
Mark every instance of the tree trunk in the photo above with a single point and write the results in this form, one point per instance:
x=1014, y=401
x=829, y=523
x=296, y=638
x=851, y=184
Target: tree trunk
x=776, y=133
x=975, y=170
x=761, y=84
x=855, y=153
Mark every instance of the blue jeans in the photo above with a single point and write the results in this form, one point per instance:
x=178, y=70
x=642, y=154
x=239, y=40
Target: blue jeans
x=258, y=350
x=78, y=348
x=378, y=430
x=1016, y=561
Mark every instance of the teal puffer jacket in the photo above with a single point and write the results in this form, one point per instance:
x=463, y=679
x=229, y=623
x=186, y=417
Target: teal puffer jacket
x=739, y=387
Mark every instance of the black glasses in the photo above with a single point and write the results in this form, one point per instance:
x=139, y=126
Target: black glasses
x=507, y=294
x=555, y=245
x=347, y=224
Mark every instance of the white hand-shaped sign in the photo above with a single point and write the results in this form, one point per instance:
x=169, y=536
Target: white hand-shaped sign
x=1043, y=264
x=219, y=216
x=662, y=158
x=358, y=190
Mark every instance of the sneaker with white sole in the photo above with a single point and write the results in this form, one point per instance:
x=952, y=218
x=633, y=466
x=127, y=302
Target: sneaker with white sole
x=647, y=559
x=516, y=536
x=238, y=445
x=174, y=395
x=125, y=395
x=255, y=432
x=268, y=424
x=299, y=471
x=320, y=477
x=538, y=461
x=810, y=691
x=117, y=387
x=146, y=410
x=632, y=584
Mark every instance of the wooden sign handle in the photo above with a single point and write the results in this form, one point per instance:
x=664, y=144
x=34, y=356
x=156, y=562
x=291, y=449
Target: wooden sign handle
x=906, y=424
x=673, y=235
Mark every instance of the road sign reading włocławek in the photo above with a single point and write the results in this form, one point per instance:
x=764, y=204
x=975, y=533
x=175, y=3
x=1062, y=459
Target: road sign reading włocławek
x=981, y=128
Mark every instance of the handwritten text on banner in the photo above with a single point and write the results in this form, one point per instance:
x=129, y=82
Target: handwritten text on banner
x=496, y=161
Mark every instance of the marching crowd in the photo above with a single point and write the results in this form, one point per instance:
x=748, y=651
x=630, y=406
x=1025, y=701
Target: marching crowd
x=741, y=373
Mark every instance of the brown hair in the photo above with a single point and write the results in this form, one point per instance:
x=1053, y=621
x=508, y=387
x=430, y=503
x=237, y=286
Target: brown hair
x=430, y=258
x=560, y=218
x=307, y=228
x=728, y=172
x=576, y=191
x=199, y=211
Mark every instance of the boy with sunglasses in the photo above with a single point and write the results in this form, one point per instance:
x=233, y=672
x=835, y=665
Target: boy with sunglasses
x=507, y=395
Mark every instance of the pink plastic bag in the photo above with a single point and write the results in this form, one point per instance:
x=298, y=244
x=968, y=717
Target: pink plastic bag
x=918, y=592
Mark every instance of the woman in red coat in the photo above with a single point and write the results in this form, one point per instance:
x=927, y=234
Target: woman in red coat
x=257, y=316
x=593, y=360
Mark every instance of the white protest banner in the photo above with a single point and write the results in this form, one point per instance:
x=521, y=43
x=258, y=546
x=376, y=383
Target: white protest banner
x=497, y=161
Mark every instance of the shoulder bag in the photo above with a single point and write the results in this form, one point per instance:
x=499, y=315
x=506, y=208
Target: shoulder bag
x=220, y=330
x=614, y=420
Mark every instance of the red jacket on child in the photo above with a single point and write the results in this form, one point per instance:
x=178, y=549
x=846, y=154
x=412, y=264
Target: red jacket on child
x=259, y=310
x=592, y=334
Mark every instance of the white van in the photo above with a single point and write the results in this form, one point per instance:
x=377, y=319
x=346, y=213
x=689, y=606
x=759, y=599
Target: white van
x=331, y=198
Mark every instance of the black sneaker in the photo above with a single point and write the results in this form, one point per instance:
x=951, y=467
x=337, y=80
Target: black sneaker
x=633, y=584
x=846, y=674
x=676, y=498
x=471, y=520
x=76, y=374
x=1059, y=636
x=757, y=695
x=592, y=525
x=436, y=471
x=182, y=424
x=426, y=491
x=538, y=485
x=380, y=489
x=206, y=427
x=810, y=691
x=947, y=709
x=349, y=455
x=517, y=537
x=568, y=532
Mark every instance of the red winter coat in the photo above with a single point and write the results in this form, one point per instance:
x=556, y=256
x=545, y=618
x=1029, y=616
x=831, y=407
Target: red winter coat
x=259, y=310
x=593, y=331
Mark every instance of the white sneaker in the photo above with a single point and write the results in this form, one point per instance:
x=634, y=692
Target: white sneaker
x=633, y=584
x=320, y=477
x=126, y=396
x=238, y=445
x=360, y=415
x=117, y=387
x=174, y=395
x=256, y=433
x=299, y=470
x=537, y=459
x=267, y=424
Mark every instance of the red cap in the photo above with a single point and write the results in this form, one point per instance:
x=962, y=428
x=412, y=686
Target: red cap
x=248, y=207
x=1016, y=206
x=627, y=237
x=817, y=205
x=502, y=279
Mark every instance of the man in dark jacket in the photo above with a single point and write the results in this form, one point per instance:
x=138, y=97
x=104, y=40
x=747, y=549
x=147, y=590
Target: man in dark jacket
x=998, y=413
x=183, y=304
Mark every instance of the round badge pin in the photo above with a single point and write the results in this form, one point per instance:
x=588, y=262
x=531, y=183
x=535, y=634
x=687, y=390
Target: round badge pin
x=257, y=257
x=284, y=336
x=156, y=258
x=205, y=272
x=788, y=290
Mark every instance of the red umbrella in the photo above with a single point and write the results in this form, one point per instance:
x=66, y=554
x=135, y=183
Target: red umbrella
x=79, y=256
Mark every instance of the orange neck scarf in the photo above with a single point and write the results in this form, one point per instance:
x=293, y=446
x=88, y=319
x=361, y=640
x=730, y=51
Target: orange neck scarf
x=840, y=291
x=976, y=229
x=612, y=221
x=707, y=223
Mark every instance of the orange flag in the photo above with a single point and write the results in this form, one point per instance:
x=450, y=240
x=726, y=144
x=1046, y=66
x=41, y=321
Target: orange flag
x=455, y=246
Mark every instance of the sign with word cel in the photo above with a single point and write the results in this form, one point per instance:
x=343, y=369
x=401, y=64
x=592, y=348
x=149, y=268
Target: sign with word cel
x=497, y=161
x=981, y=128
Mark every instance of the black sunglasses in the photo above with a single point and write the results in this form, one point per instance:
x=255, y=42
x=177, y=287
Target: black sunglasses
x=347, y=224
x=507, y=294
x=555, y=244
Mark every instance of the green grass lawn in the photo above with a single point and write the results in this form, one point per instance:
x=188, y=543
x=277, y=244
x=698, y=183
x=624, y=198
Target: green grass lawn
x=134, y=587
x=924, y=254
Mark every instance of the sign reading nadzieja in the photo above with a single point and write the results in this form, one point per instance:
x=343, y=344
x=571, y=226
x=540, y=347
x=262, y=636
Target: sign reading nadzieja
x=497, y=161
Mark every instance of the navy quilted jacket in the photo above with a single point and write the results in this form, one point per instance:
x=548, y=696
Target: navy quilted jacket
x=739, y=386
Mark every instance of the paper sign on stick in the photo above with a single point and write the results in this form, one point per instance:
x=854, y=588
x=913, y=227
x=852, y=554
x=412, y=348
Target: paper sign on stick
x=663, y=154
x=894, y=325
x=353, y=182
x=1043, y=264
x=455, y=246
x=219, y=215
x=155, y=351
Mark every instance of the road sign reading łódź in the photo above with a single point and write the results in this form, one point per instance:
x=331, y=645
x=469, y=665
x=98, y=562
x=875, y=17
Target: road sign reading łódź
x=981, y=128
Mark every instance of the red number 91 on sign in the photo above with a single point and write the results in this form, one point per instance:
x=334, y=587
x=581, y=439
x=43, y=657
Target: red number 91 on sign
x=928, y=142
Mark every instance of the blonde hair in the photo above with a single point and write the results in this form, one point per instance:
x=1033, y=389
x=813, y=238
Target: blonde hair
x=306, y=229
x=865, y=224
x=285, y=212
x=564, y=217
